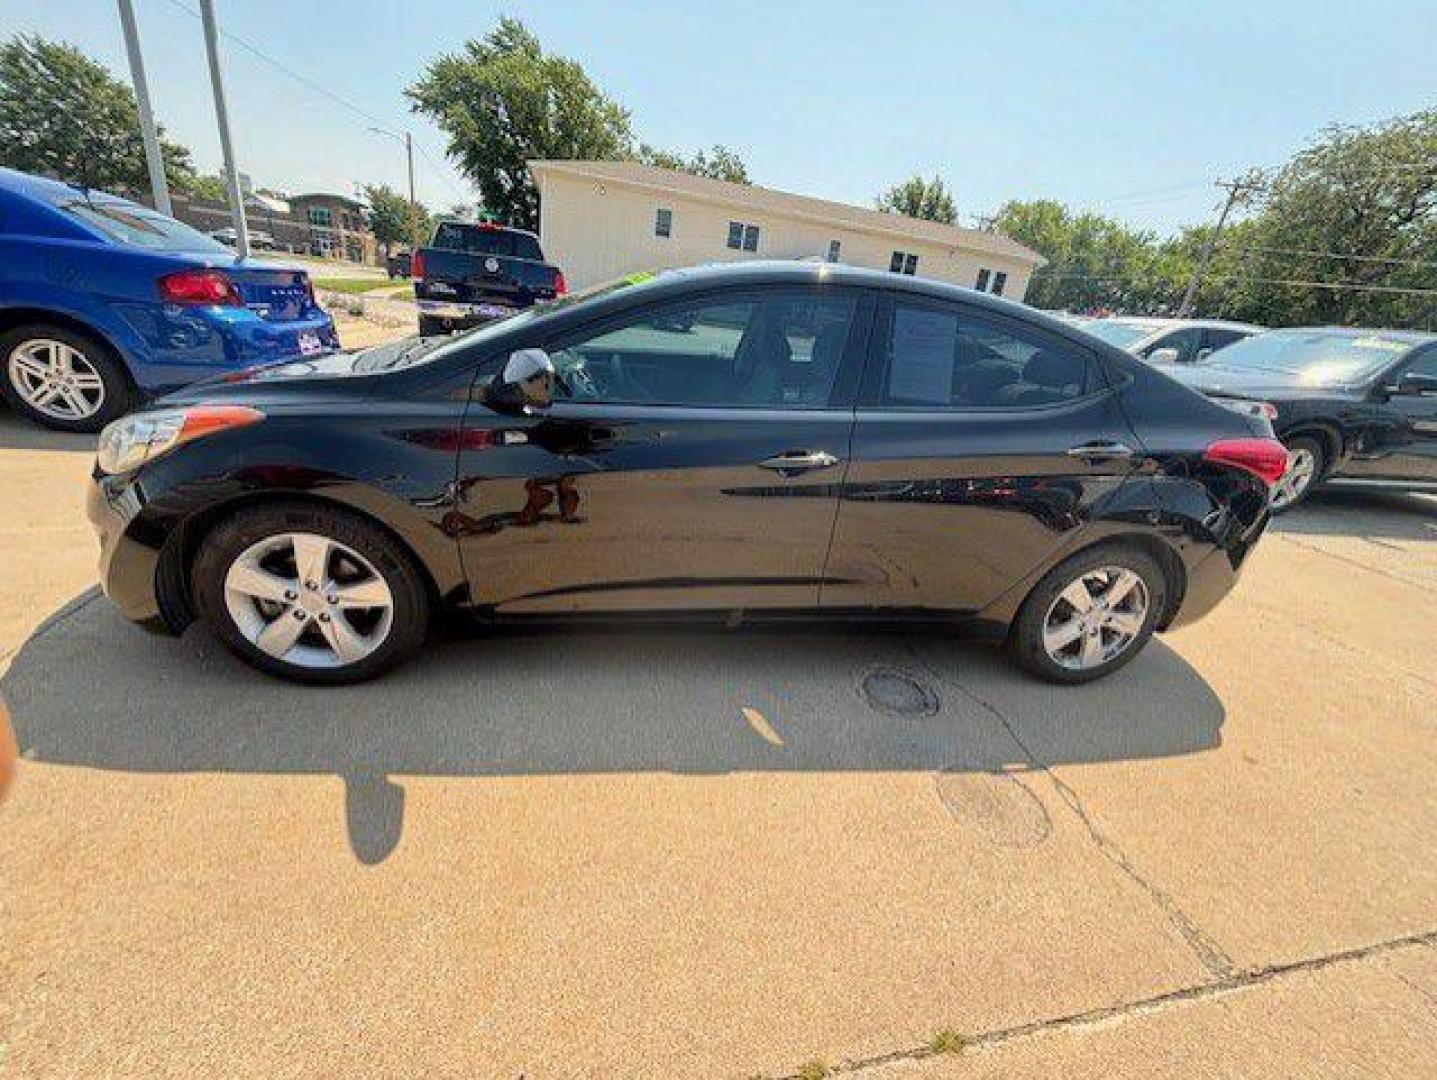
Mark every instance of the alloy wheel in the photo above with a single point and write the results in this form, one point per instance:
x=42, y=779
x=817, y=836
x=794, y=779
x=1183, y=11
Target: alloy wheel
x=56, y=379
x=1301, y=471
x=1095, y=618
x=309, y=600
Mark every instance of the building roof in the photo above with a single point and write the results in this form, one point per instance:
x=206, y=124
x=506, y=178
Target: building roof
x=328, y=196
x=786, y=204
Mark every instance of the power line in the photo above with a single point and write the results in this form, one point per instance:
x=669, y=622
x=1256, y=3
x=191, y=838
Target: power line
x=1296, y=282
x=1336, y=255
x=319, y=88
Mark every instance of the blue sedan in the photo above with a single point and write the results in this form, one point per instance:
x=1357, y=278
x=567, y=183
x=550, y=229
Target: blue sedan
x=105, y=303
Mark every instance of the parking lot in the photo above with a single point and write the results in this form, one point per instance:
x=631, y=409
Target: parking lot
x=742, y=853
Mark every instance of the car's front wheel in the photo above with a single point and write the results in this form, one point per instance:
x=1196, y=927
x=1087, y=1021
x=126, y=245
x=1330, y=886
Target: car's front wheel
x=1091, y=614
x=62, y=378
x=310, y=593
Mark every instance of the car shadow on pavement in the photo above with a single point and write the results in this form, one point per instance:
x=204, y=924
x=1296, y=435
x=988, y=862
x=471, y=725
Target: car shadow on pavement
x=19, y=434
x=506, y=703
x=1388, y=515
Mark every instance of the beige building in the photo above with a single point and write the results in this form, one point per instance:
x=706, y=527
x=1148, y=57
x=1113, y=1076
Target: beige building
x=603, y=219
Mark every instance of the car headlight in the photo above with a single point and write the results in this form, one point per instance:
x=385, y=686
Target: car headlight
x=132, y=440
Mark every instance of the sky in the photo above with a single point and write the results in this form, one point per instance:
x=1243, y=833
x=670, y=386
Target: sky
x=1131, y=109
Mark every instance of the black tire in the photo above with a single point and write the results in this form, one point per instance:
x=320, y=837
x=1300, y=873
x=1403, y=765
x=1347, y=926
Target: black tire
x=235, y=534
x=1297, y=445
x=1026, y=639
x=117, y=389
x=430, y=326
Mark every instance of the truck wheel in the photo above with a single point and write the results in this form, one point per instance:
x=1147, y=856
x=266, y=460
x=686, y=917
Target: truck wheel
x=62, y=378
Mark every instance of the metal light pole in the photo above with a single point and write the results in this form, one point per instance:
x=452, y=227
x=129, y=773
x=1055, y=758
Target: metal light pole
x=159, y=188
x=207, y=13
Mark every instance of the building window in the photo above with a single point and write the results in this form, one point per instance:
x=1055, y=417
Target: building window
x=742, y=237
x=833, y=246
x=663, y=222
x=321, y=216
x=999, y=280
x=983, y=276
x=903, y=262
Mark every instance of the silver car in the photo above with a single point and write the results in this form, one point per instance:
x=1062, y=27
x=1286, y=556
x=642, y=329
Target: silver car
x=1169, y=341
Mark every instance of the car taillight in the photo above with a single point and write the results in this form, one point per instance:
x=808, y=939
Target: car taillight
x=416, y=266
x=560, y=285
x=1266, y=458
x=208, y=287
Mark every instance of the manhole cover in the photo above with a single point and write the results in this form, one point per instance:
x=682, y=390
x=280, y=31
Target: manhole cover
x=897, y=693
x=997, y=806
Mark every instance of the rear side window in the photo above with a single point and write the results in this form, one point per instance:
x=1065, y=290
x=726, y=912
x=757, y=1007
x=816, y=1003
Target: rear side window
x=478, y=240
x=139, y=226
x=949, y=358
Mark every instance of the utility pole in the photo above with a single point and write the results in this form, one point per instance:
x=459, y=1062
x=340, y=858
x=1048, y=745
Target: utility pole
x=159, y=188
x=413, y=203
x=212, y=48
x=1237, y=191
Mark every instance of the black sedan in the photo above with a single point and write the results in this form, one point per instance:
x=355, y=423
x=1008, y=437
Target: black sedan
x=745, y=442
x=1356, y=408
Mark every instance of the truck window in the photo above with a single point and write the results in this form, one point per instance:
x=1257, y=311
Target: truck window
x=478, y=240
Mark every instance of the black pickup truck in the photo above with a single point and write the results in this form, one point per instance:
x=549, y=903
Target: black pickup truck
x=476, y=272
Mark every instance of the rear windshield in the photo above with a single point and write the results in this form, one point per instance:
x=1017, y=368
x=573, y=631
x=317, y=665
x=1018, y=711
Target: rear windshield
x=478, y=240
x=1121, y=334
x=139, y=226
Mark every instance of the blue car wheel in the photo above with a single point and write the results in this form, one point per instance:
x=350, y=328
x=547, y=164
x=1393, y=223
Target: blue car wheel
x=61, y=378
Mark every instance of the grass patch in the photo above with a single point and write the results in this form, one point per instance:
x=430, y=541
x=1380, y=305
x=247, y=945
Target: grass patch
x=814, y=1070
x=948, y=1041
x=348, y=285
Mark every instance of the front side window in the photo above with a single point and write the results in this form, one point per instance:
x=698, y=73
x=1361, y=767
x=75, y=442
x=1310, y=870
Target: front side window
x=663, y=222
x=948, y=358
x=778, y=351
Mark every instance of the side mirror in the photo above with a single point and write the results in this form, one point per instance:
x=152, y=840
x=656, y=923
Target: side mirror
x=1414, y=384
x=1165, y=355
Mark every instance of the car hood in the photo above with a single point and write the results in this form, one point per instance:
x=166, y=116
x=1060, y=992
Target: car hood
x=1217, y=380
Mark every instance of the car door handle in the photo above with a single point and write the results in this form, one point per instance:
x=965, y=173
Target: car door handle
x=1101, y=450
x=793, y=462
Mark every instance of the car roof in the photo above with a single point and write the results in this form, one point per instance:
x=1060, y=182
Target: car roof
x=47, y=191
x=1169, y=323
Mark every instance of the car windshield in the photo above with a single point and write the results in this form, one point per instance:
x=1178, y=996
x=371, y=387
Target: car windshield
x=422, y=350
x=140, y=226
x=1317, y=356
x=1121, y=334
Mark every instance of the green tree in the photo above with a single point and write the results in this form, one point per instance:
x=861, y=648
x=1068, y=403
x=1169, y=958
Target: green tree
x=503, y=101
x=920, y=198
x=210, y=186
x=1358, y=207
x=718, y=163
x=391, y=214
x=64, y=115
x=1093, y=262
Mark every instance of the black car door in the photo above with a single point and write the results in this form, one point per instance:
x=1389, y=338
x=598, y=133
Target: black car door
x=1406, y=442
x=981, y=445
x=690, y=460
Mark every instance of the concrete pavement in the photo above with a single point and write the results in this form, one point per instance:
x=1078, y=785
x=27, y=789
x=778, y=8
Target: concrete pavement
x=645, y=853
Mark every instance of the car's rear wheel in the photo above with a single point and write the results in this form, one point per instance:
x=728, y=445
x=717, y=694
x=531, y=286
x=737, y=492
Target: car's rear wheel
x=62, y=378
x=1091, y=614
x=310, y=593
x=1306, y=460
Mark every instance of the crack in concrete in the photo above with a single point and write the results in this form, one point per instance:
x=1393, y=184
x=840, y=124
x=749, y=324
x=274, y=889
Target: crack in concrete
x=1316, y=550
x=1208, y=952
x=1234, y=983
